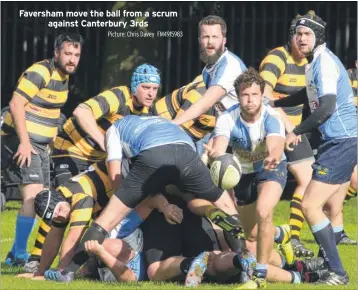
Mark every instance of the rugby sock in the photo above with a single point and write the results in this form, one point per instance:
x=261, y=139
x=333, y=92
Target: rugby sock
x=295, y=277
x=324, y=236
x=40, y=239
x=94, y=232
x=24, y=226
x=260, y=271
x=279, y=235
x=283, y=261
x=296, y=216
x=338, y=230
x=351, y=192
x=185, y=265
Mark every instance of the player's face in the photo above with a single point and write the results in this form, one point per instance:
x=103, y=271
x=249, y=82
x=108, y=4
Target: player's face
x=68, y=57
x=62, y=212
x=212, y=43
x=295, y=51
x=146, y=94
x=250, y=100
x=305, y=40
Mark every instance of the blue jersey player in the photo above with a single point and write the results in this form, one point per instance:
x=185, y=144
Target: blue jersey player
x=257, y=136
x=330, y=98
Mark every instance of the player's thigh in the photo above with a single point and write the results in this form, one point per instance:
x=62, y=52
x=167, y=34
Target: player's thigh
x=195, y=176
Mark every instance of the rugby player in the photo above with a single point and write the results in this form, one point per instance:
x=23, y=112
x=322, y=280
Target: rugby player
x=80, y=143
x=256, y=134
x=330, y=99
x=283, y=70
x=28, y=129
x=221, y=70
x=161, y=154
x=78, y=201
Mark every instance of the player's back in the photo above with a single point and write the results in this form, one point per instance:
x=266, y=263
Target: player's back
x=141, y=133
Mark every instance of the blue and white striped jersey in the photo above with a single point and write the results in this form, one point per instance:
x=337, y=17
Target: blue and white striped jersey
x=134, y=134
x=326, y=75
x=224, y=73
x=248, y=140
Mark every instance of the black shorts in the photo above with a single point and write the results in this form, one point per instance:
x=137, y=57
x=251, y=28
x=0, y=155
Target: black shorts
x=188, y=239
x=301, y=152
x=155, y=168
x=66, y=167
x=39, y=170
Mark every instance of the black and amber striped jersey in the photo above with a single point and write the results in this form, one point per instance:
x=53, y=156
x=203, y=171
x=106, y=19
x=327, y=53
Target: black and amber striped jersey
x=353, y=78
x=45, y=90
x=180, y=100
x=285, y=75
x=107, y=107
x=88, y=193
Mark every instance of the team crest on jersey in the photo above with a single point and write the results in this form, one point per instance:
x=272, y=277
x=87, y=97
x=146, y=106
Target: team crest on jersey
x=322, y=171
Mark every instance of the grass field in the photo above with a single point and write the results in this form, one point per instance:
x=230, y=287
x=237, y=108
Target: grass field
x=9, y=281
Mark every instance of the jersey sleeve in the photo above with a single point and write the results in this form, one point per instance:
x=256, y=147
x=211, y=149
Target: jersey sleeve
x=224, y=125
x=272, y=67
x=190, y=98
x=225, y=75
x=106, y=103
x=32, y=81
x=82, y=207
x=325, y=76
x=113, y=144
x=273, y=124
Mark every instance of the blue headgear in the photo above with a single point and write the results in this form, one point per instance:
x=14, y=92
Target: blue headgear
x=144, y=73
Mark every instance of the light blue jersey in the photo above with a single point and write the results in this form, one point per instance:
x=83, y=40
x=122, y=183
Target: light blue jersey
x=326, y=75
x=248, y=140
x=134, y=134
x=224, y=73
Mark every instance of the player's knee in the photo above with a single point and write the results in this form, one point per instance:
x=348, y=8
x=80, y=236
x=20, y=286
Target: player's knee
x=302, y=173
x=264, y=214
x=152, y=271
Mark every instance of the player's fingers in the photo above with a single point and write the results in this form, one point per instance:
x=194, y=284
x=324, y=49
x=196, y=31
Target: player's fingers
x=28, y=160
x=25, y=275
x=16, y=154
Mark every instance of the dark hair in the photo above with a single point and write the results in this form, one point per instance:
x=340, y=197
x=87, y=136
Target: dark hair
x=75, y=38
x=212, y=20
x=247, y=78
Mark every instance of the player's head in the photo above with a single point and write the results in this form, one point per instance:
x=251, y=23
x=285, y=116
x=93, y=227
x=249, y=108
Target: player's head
x=292, y=45
x=68, y=52
x=249, y=87
x=145, y=83
x=52, y=206
x=310, y=33
x=212, y=38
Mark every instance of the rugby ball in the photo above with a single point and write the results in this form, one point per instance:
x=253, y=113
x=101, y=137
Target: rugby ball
x=225, y=171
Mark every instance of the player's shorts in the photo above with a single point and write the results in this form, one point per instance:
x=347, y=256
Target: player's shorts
x=302, y=152
x=336, y=160
x=67, y=165
x=246, y=191
x=39, y=170
x=135, y=241
x=188, y=239
x=177, y=164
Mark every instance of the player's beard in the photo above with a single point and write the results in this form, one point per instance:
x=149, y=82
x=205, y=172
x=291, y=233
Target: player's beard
x=296, y=54
x=210, y=59
x=252, y=114
x=62, y=68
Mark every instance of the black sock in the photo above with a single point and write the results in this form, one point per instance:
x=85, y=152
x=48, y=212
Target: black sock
x=235, y=244
x=236, y=262
x=185, y=265
x=94, y=232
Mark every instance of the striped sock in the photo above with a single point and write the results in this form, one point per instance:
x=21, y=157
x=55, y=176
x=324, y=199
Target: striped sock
x=296, y=216
x=39, y=242
x=351, y=192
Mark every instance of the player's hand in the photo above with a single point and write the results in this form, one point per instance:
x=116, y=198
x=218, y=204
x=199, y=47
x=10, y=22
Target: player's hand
x=211, y=151
x=23, y=154
x=26, y=275
x=94, y=247
x=292, y=139
x=173, y=214
x=270, y=163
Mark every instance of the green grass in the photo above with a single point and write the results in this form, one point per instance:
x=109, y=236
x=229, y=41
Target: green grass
x=9, y=281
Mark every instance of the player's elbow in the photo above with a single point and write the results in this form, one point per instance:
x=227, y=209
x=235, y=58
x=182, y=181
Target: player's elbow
x=80, y=112
x=15, y=104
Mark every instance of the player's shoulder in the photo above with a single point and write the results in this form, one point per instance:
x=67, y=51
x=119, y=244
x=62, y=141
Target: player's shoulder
x=269, y=113
x=280, y=51
x=43, y=68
